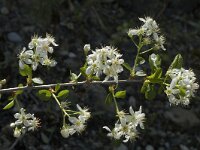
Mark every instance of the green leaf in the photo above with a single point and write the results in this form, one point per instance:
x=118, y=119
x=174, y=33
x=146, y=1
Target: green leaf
x=37, y=80
x=18, y=92
x=177, y=62
x=44, y=94
x=156, y=75
x=120, y=94
x=127, y=66
x=95, y=78
x=27, y=71
x=83, y=69
x=109, y=98
x=144, y=86
x=182, y=91
x=57, y=88
x=150, y=92
x=63, y=94
x=9, y=105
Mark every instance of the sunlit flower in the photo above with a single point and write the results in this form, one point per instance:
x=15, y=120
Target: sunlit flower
x=78, y=123
x=67, y=130
x=25, y=57
x=25, y=122
x=126, y=125
x=106, y=60
x=84, y=113
x=182, y=86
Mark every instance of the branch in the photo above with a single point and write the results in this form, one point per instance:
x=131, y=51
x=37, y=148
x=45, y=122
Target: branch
x=67, y=84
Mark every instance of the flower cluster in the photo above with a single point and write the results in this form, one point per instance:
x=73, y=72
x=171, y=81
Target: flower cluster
x=182, y=86
x=25, y=122
x=150, y=31
x=77, y=123
x=38, y=52
x=126, y=125
x=106, y=60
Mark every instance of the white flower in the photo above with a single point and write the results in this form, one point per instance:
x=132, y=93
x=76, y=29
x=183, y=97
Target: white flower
x=115, y=133
x=25, y=122
x=106, y=60
x=136, y=118
x=78, y=123
x=150, y=26
x=149, y=32
x=160, y=43
x=83, y=113
x=86, y=48
x=25, y=57
x=66, y=131
x=182, y=86
x=126, y=125
x=34, y=42
x=22, y=117
x=51, y=39
x=17, y=132
x=49, y=62
x=132, y=32
x=40, y=47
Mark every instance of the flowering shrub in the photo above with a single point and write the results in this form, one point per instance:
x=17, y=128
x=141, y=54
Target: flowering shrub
x=178, y=83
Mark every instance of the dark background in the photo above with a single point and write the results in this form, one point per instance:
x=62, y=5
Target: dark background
x=74, y=23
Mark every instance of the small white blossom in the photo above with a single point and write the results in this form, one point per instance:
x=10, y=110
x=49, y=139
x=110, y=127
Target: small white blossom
x=132, y=32
x=106, y=60
x=150, y=26
x=84, y=113
x=78, y=123
x=38, y=53
x=66, y=131
x=17, y=132
x=149, y=32
x=182, y=86
x=86, y=48
x=126, y=125
x=25, y=122
x=25, y=57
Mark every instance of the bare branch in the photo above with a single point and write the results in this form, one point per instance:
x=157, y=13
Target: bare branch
x=47, y=86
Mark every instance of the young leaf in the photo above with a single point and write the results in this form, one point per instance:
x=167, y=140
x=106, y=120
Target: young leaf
x=18, y=92
x=127, y=66
x=83, y=69
x=57, y=88
x=156, y=75
x=44, y=94
x=27, y=71
x=9, y=105
x=177, y=62
x=109, y=98
x=95, y=78
x=63, y=94
x=37, y=80
x=144, y=86
x=120, y=94
x=150, y=93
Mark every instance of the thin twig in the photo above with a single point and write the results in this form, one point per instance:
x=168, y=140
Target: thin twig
x=15, y=143
x=47, y=86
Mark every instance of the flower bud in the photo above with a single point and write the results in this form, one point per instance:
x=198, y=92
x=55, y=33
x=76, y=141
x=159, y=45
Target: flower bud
x=86, y=48
x=17, y=132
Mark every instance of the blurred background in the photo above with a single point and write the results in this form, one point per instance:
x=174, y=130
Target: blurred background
x=74, y=23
